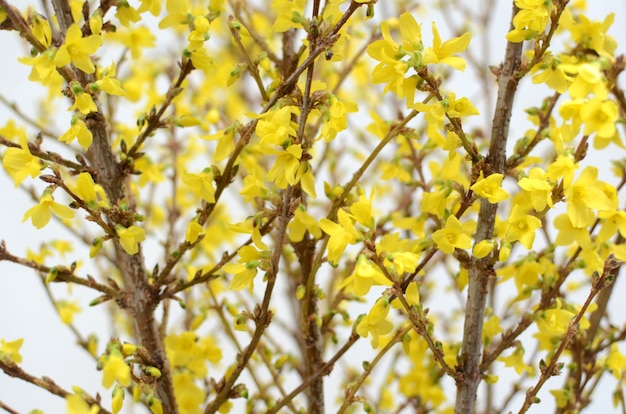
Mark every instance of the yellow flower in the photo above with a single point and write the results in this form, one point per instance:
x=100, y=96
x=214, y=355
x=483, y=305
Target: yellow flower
x=67, y=310
x=490, y=188
x=516, y=360
x=285, y=167
x=77, y=405
x=539, y=187
x=189, y=396
x=153, y=6
x=130, y=238
x=135, y=39
x=126, y=13
x=340, y=234
x=118, y=399
x=178, y=12
x=375, y=322
x=108, y=83
x=20, y=163
x=335, y=119
x=452, y=236
x=201, y=184
x=584, y=196
x=201, y=59
x=225, y=143
x=301, y=223
x=115, y=369
x=276, y=127
x=199, y=34
x=530, y=20
x=41, y=214
x=483, y=248
x=289, y=14
x=616, y=362
x=244, y=271
x=521, y=227
x=91, y=193
x=77, y=50
x=78, y=130
x=457, y=108
x=600, y=117
x=82, y=100
x=194, y=229
x=365, y=275
x=11, y=350
x=41, y=28
x=443, y=53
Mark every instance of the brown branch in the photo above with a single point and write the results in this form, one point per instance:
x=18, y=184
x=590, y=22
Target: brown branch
x=13, y=370
x=262, y=315
x=482, y=269
x=553, y=368
x=63, y=273
x=323, y=370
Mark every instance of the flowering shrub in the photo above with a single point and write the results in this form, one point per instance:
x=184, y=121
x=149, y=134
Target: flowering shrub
x=275, y=200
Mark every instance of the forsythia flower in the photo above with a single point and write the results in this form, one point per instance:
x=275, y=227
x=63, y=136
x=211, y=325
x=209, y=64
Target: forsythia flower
x=77, y=405
x=365, y=275
x=522, y=227
x=375, y=322
x=67, y=310
x=20, y=163
x=539, y=187
x=285, y=167
x=335, y=118
x=41, y=214
x=584, y=196
x=82, y=100
x=11, y=350
x=490, y=188
x=178, y=12
x=91, y=193
x=340, y=234
x=530, y=20
x=76, y=50
x=452, y=236
x=115, y=369
x=443, y=53
x=118, y=399
x=78, y=130
x=301, y=223
x=286, y=12
x=130, y=238
x=201, y=184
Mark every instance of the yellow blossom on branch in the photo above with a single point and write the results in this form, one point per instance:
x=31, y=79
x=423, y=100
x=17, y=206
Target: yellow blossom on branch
x=584, y=196
x=539, y=187
x=114, y=368
x=178, y=12
x=77, y=50
x=375, y=322
x=444, y=52
x=341, y=234
x=67, y=310
x=77, y=405
x=11, y=350
x=41, y=214
x=20, y=163
x=452, y=236
x=521, y=227
x=130, y=238
x=490, y=188
x=201, y=184
x=78, y=130
x=365, y=275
